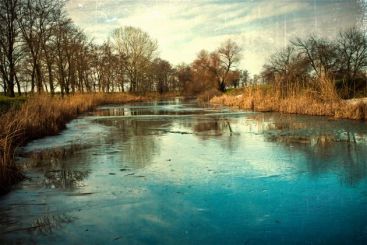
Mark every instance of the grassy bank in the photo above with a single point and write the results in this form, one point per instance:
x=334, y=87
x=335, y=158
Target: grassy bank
x=40, y=116
x=265, y=99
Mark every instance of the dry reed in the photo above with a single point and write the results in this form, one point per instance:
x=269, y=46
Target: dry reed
x=9, y=173
x=308, y=102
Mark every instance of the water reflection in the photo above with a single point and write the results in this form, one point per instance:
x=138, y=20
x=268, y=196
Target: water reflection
x=217, y=126
x=338, y=146
x=214, y=127
x=44, y=225
x=38, y=158
x=141, y=136
x=58, y=167
x=136, y=140
x=64, y=179
x=163, y=109
x=47, y=224
x=311, y=129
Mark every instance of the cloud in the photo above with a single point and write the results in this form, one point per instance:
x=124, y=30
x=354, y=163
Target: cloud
x=183, y=27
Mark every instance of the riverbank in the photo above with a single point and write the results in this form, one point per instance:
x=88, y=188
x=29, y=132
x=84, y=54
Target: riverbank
x=41, y=116
x=263, y=100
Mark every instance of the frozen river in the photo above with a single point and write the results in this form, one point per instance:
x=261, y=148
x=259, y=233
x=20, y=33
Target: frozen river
x=175, y=172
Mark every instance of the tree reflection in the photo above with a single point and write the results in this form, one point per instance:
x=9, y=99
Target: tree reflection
x=327, y=145
x=137, y=138
x=60, y=166
x=51, y=158
x=64, y=179
x=49, y=223
x=208, y=127
x=205, y=128
x=45, y=225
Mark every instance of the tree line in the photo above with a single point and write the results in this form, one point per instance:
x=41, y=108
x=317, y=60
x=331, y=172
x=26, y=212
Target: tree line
x=42, y=50
x=306, y=62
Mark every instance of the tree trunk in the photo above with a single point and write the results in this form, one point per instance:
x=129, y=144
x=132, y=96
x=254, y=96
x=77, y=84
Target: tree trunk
x=33, y=85
x=222, y=86
x=5, y=85
x=18, y=85
x=10, y=89
x=51, y=79
x=39, y=79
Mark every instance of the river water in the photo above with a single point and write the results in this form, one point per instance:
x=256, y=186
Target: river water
x=174, y=172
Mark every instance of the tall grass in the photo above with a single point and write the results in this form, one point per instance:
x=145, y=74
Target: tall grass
x=9, y=173
x=41, y=116
x=323, y=101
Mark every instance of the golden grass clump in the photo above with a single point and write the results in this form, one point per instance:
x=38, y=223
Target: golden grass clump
x=45, y=115
x=350, y=110
x=253, y=98
x=307, y=102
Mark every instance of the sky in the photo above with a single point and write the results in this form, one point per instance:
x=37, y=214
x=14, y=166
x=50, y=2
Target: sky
x=184, y=27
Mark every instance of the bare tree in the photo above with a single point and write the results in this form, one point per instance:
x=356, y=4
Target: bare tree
x=244, y=78
x=287, y=71
x=35, y=24
x=184, y=77
x=107, y=67
x=229, y=54
x=162, y=70
x=320, y=53
x=137, y=49
x=62, y=29
x=48, y=47
x=352, y=53
x=203, y=71
x=219, y=63
x=9, y=33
